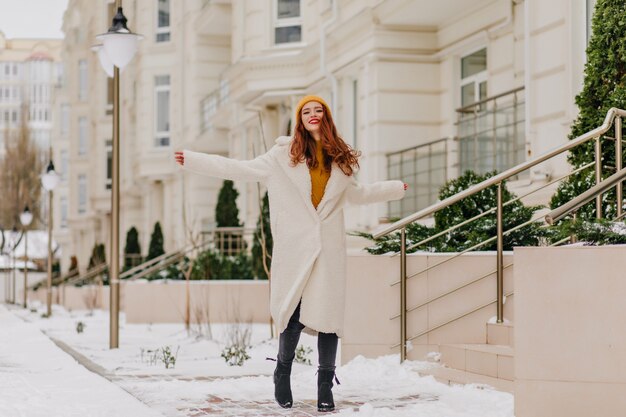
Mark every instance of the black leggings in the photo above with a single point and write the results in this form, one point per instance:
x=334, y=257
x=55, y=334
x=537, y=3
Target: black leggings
x=288, y=341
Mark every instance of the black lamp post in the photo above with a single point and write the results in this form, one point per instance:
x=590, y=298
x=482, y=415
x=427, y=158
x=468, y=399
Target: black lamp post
x=118, y=48
x=26, y=218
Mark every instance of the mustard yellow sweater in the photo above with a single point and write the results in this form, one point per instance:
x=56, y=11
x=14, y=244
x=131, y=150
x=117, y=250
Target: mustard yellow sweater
x=319, y=178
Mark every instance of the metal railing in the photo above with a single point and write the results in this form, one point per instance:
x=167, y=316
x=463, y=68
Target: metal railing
x=211, y=104
x=613, y=117
x=491, y=133
x=226, y=240
x=425, y=168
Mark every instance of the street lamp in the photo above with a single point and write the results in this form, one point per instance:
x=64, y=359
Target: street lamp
x=119, y=46
x=49, y=180
x=13, y=244
x=26, y=218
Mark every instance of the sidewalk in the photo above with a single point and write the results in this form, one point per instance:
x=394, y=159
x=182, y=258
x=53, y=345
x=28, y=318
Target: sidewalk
x=48, y=369
x=39, y=379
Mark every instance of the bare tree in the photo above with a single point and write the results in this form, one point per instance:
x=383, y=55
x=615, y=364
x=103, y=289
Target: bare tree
x=20, y=169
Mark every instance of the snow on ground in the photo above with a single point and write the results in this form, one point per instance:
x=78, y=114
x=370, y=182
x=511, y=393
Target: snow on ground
x=39, y=380
x=200, y=371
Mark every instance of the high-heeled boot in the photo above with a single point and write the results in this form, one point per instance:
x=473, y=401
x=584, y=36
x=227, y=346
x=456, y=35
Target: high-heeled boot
x=325, y=400
x=282, y=384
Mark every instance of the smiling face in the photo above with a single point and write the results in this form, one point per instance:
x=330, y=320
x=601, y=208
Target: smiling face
x=312, y=114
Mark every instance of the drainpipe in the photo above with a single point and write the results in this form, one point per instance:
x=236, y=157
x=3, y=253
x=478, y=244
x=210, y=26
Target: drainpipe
x=506, y=22
x=325, y=72
x=527, y=78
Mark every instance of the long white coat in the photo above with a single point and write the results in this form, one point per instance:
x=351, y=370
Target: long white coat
x=309, y=255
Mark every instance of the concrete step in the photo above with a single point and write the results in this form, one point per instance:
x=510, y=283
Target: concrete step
x=500, y=334
x=494, y=361
x=457, y=377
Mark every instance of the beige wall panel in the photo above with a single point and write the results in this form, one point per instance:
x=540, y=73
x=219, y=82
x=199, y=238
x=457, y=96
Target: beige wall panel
x=577, y=368
x=549, y=50
x=547, y=97
x=412, y=108
x=546, y=13
x=409, y=77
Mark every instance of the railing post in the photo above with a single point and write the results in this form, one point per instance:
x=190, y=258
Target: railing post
x=403, y=295
x=572, y=237
x=500, y=255
x=618, y=162
x=598, y=176
x=494, y=130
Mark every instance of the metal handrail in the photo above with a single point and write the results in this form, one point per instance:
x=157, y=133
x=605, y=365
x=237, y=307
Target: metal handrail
x=612, y=115
x=491, y=210
x=466, y=109
x=504, y=175
x=422, y=145
x=582, y=199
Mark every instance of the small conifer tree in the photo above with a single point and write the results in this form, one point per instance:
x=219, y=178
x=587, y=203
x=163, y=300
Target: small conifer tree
x=263, y=234
x=227, y=215
x=98, y=255
x=156, y=243
x=132, y=250
x=226, y=211
x=604, y=87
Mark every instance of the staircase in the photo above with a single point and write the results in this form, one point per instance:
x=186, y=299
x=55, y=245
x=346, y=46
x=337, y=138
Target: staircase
x=490, y=363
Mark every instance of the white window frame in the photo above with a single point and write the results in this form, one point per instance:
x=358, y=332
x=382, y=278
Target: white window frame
x=64, y=164
x=82, y=80
x=162, y=30
x=63, y=212
x=108, y=150
x=82, y=194
x=65, y=119
x=83, y=135
x=285, y=22
x=159, y=136
x=475, y=79
x=590, y=6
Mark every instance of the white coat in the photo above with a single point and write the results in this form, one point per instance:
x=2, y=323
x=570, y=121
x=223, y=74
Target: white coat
x=309, y=255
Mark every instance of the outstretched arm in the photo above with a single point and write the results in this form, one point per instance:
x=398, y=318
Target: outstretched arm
x=257, y=169
x=377, y=192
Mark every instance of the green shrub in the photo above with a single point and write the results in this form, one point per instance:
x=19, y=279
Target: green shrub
x=473, y=233
x=263, y=230
x=212, y=264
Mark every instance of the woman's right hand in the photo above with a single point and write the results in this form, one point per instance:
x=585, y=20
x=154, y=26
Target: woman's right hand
x=179, y=156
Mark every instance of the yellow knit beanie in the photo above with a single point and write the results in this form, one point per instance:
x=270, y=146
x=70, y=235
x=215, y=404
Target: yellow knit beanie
x=307, y=99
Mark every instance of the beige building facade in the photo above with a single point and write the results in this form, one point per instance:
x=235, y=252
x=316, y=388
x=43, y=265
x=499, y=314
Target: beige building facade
x=223, y=76
x=30, y=70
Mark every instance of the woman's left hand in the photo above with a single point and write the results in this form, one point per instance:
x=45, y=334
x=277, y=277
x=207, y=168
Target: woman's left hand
x=406, y=186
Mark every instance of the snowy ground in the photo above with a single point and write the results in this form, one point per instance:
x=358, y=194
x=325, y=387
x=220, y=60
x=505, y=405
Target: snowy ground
x=369, y=387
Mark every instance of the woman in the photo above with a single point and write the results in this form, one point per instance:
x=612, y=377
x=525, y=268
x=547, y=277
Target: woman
x=309, y=178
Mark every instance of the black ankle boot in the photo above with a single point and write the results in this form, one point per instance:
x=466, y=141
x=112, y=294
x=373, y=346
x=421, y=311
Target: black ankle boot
x=325, y=400
x=282, y=384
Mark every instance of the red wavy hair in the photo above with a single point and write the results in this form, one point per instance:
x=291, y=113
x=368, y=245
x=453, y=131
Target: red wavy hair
x=335, y=149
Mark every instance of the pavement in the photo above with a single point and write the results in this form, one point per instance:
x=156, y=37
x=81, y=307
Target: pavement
x=40, y=376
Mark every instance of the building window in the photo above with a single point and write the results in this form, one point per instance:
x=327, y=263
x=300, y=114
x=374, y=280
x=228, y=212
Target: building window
x=82, y=136
x=65, y=119
x=162, y=110
x=163, y=21
x=63, y=212
x=591, y=5
x=82, y=80
x=109, y=104
x=288, y=22
x=64, y=165
x=109, y=167
x=474, y=77
x=82, y=194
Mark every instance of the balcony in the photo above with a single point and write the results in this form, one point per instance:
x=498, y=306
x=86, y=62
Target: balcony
x=214, y=18
x=491, y=134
